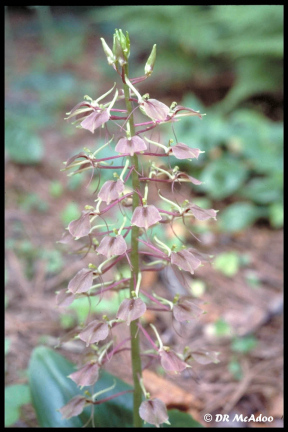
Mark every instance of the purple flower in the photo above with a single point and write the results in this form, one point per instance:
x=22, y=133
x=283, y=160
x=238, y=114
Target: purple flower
x=82, y=281
x=131, y=309
x=155, y=109
x=186, y=310
x=130, y=145
x=154, y=411
x=171, y=362
x=182, y=151
x=111, y=246
x=145, y=216
x=74, y=407
x=87, y=375
x=94, y=332
x=111, y=190
x=91, y=117
x=201, y=214
x=185, y=260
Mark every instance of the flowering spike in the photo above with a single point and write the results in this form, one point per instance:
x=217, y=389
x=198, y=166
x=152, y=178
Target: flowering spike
x=124, y=235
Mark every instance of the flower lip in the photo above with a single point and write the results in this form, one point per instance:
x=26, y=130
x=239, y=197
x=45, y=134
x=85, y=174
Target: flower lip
x=111, y=190
x=154, y=411
x=87, y=375
x=131, y=309
x=171, y=362
x=185, y=260
x=145, y=216
x=94, y=332
x=112, y=246
x=133, y=145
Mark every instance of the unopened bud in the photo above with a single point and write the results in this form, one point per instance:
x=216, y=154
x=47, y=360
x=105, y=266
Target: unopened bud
x=150, y=62
x=109, y=54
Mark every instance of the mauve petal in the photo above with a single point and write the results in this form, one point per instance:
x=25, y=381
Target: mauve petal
x=87, y=375
x=182, y=151
x=112, y=246
x=185, y=260
x=154, y=411
x=74, y=407
x=111, y=190
x=82, y=281
x=155, y=109
x=171, y=362
x=94, y=332
x=130, y=146
x=80, y=227
x=131, y=309
x=202, y=214
x=64, y=299
x=95, y=120
x=185, y=310
x=145, y=216
x=73, y=158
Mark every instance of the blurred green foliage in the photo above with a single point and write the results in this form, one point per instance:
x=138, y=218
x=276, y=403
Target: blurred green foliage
x=16, y=395
x=243, y=161
x=30, y=255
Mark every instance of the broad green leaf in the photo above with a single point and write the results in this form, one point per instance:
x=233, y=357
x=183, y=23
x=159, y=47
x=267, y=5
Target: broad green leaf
x=15, y=396
x=12, y=414
x=223, y=177
x=51, y=389
x=238, y=216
